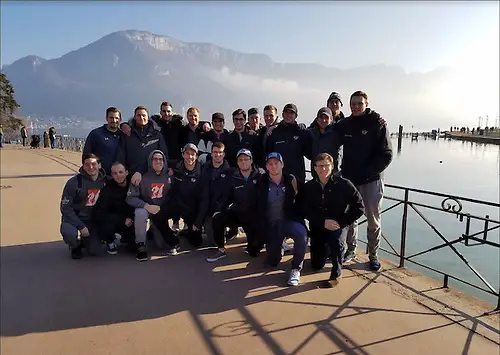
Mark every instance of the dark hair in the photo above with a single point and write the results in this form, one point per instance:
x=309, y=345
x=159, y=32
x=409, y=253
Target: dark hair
x=219, y=145
x=323, y=156
x=113, y=110
x=90, y=156
x=165, y=103
x=118, y=163
x=359, y=93
x=270, y=108
x=240, y=111
x=140, y=108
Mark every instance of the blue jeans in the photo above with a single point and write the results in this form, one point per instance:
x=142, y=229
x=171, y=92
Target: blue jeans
x=326, y=243
x=276, y=233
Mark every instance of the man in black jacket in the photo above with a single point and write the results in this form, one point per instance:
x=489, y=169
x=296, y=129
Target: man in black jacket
x=214, y=175
x=292, y=142
x=239, y=139
x=330, y=203
x=217, y=134
x=135, y=149
x=367, y=152
x=237, y=206
x=111, y=214
x=279, y=216
x=322, y=137
x=170, y=125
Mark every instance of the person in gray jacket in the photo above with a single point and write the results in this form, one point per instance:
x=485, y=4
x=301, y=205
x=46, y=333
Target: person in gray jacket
x=78, y=198
x=147, y=198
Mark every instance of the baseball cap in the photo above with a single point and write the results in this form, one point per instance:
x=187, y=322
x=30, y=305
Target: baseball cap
x=244, y=151
x=325, y=111
x=190, y=146
x=274, y=155
x=335, y=96
x=253, y=111
x=291, y=107
x=218, y=116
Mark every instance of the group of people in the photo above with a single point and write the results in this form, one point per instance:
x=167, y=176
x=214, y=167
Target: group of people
x=150, y=170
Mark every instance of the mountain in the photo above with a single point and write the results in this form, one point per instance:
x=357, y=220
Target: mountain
x=131, y=68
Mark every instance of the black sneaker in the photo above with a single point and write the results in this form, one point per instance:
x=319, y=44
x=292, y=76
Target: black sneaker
x=142, y=253
x=111, y=248
x=76, y=253
x=219, y=254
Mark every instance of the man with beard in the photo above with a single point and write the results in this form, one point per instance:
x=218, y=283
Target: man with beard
x=111, y=214
x=79, y=196
x=280, y=217
x=367, y=152
x=239, y=139
x=237, y=207
x=187, y=198
x=146, y=199
x=330, y=203
x=105, y=140
x=170, y=125
x=292, y=142
x=214, y=175
x=135, y=149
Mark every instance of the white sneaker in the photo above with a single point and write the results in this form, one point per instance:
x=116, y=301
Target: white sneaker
x=294, y=278
x=286, y=247
x=175, y=227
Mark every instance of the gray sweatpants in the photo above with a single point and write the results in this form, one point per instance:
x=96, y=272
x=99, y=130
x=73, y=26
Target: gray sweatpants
x=372, y=194
x=141, y=217
x=92, y=243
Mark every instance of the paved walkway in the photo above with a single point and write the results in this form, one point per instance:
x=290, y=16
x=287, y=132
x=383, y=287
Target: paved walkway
x=53, y=305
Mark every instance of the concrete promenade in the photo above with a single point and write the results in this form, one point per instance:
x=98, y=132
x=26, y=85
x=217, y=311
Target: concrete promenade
x=53, y=305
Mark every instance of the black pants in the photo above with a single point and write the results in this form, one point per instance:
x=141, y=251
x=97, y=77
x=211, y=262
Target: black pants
x=171, y=210
x=232, y=219
x=324, y=243
x=109, y=224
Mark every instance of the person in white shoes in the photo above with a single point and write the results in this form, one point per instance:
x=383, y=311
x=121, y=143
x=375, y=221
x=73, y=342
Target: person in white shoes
x=280, y=216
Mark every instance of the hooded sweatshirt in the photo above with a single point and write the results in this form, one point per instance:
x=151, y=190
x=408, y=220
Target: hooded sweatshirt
x=153, y=188
x=77, y=203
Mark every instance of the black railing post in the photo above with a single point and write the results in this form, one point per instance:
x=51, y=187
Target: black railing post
x=485, y=234
x=403, y=230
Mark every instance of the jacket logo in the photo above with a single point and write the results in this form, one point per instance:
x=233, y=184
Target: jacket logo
x=281, y=142
x=364, y=132
x=347, y=135
x=150, y=142
x=92, y=196
x=193, y=179
x=223, y=175
x=295, y=137
x=157, y=190
x=254, y=181
x=238, y=187
x=283, y=188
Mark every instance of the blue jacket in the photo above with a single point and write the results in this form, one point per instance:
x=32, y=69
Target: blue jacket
x=103, y=143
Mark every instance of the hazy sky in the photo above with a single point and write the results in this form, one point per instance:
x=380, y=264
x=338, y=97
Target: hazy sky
x=418, y=36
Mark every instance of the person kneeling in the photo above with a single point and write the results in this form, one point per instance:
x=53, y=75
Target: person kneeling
x=111, y=214
x=79, y=196
x=279, y=216
x=147, y=198
x=330, y=203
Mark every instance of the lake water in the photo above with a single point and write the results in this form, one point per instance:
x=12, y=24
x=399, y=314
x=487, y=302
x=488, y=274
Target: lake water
x=458, y=168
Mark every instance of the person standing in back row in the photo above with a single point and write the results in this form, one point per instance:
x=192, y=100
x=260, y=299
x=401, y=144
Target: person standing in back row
x=105, y=140
x=292, y=141
x=367, y=152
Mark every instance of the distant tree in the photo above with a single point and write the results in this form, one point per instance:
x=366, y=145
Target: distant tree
x=8, y=106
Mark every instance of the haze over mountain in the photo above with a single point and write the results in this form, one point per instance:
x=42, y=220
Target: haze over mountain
x=130, y=68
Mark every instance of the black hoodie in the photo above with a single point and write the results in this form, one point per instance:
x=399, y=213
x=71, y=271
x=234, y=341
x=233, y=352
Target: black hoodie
x=171, y=131
x=214, y=180
x=112, y=201
x=367, y=147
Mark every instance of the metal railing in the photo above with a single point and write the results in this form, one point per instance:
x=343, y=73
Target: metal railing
x=450, y=204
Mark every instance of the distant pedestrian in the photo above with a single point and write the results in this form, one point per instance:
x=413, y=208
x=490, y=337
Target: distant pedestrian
x=52, y=137
x=24, y=135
